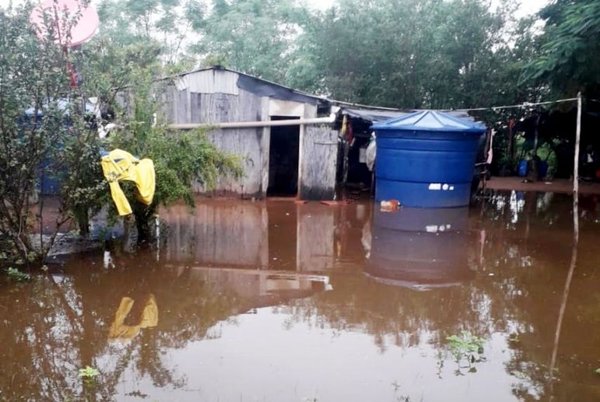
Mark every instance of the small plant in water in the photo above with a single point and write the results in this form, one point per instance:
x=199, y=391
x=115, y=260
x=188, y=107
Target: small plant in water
x=16, y=275
x=88, y=373
x=466, y=346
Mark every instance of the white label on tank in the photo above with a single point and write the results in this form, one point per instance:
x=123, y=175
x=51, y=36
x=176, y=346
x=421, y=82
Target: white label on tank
x=431, y=228
x=435, y=186
x=451, y=188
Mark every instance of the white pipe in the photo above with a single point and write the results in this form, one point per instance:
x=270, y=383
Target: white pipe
x=251, y=124
x=577, y=142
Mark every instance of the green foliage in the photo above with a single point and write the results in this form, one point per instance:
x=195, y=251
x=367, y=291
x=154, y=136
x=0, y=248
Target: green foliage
x=569, y=52
x=465, y=345
x=88, y=373
x=33, y=78
x=83, y=188
x=427, y=54
x=57, y=134
x=162, y=25
x=16, y=275
x=180, y=158
x=252, y=36
x=424, y=54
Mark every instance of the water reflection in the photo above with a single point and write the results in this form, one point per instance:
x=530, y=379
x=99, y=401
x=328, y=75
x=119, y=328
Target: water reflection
x=149, y=319
x=280, y=235
x=421, y=248
x=284, y=301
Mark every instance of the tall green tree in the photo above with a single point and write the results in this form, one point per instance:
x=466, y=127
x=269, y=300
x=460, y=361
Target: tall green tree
x=431, y=53
x=252, y=36
x=569, y=51
x=162, y=26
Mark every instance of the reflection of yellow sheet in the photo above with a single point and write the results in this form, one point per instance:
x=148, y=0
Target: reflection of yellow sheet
x=121, y=165
x=149, y=319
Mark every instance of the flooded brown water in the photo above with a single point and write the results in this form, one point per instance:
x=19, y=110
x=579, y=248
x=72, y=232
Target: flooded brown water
x=278, y=301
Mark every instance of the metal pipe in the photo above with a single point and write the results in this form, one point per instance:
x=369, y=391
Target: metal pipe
x=252, y=124
x=577, y=144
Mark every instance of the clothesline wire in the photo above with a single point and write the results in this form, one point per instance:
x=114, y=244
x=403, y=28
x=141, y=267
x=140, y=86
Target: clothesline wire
x=522, y=105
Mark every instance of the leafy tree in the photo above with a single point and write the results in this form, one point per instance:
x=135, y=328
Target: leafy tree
x=161, y=26
x=34, y=123
x=252, y=36
x=428, y=54
x=43, y=128
x=569, y=51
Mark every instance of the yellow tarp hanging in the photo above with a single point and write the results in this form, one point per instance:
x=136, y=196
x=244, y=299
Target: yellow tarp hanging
x=149, y=319
x=121, y=165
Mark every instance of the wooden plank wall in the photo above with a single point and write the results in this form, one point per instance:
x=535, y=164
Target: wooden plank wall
x=318, y=164
x=250, y=144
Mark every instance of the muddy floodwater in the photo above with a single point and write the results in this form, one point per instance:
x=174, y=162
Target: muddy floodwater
x=281, y=301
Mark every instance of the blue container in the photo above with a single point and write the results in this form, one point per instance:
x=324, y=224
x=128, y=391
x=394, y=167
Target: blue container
x=426, y=159
x=522, y=170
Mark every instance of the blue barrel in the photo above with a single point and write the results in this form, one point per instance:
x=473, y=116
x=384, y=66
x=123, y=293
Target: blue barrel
x=522, y=170
x=426, y=159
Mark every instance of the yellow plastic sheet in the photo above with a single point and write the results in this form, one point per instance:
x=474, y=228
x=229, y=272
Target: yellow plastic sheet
x=120, y=165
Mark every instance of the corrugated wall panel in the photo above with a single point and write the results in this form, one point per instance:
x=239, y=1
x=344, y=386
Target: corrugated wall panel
x=209, y=82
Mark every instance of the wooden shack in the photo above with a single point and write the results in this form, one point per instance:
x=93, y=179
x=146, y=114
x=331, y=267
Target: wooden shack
x=283, y=136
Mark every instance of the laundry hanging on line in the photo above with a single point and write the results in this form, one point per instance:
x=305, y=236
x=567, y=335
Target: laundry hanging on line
x=120, y=165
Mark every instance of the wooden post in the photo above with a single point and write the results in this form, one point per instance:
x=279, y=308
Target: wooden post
x=577, y=141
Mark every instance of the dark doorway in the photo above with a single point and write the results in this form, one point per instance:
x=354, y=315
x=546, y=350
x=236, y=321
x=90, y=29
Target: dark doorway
x=283, y=159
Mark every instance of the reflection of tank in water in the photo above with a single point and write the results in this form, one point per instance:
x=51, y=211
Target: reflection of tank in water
x=420, y=248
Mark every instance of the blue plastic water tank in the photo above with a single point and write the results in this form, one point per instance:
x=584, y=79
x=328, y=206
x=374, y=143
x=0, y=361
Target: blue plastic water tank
x=425, y=159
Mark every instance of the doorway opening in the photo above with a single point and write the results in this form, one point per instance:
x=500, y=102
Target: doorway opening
x=284, y=149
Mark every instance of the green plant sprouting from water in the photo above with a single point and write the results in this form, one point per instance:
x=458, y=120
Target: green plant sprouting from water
x=88, y=373
x=466, y=346
x=16, y=275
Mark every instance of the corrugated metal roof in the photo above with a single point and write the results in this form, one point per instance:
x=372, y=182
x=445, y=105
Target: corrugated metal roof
x=251, y=83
